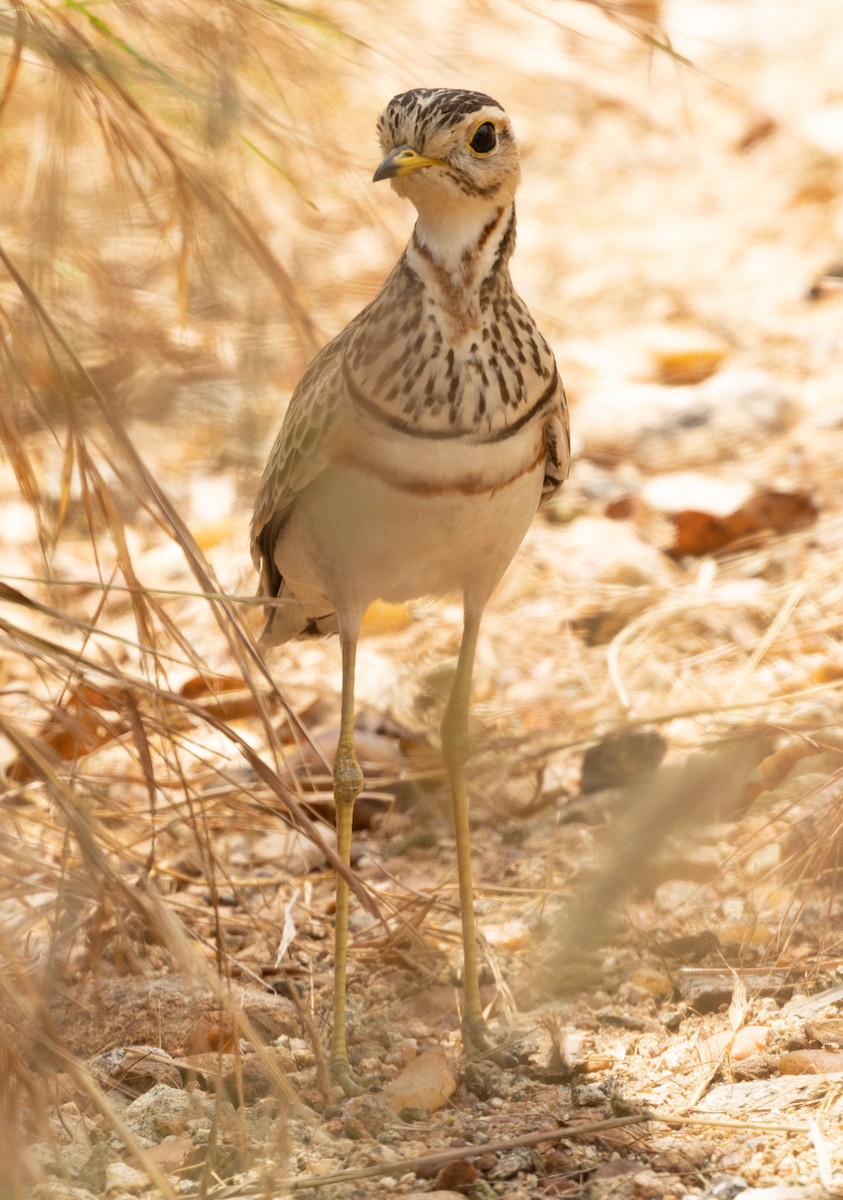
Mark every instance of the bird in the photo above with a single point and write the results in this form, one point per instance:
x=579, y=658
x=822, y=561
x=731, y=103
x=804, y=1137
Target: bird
x=415, y=451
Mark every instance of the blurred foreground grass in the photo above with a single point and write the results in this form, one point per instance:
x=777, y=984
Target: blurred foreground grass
x=145, y=298
x=183, y=220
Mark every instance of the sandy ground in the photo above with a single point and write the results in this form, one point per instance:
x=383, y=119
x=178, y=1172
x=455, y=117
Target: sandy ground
x=676, y=210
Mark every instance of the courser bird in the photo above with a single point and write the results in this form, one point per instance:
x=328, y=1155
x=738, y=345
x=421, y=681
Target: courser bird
x=416, y=449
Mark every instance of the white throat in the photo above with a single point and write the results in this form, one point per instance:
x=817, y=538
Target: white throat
x=463, y=238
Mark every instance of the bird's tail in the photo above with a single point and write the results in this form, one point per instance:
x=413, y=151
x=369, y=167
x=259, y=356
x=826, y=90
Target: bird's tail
x=288, y=619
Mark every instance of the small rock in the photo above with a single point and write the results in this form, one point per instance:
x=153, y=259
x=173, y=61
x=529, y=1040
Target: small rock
x=681, y=354
x=674, y=491
x=133, y=1070
x=160, y=1012
x=706, y=989
x=784, y=1191
x=510, y=1163
x=659, y=426
x=427, y=1082
x=252, y=1077
x=92, y=1174
x=368, y=1111
x=622, y=758
x=757, y=1066
x=811, y=1062
x=672, y=1018
x=213, y=1031
x=120, y=1177
x=486, y=1162
x=172, y=1153
x=403, y=1053
x=598, y=550
x=70, y=1144
x=591, y=1095
x=744, y=1043
x=823, y=128
x=438, y=1195
x=458, y=1176
x=290, y=850
x=726, y=1187
x=56, y=1189
x=164, y=1111
x=647, y=1185
x=617, y=1166
x=652, y=980
x=689, y=948
x=272, y=1016
x=828, y=1033
x=354, y=1129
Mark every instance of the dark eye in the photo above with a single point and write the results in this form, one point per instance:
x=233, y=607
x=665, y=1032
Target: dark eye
x=484, y=138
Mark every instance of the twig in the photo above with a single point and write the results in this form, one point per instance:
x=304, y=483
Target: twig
x=453, y=1154
x=728, y=1123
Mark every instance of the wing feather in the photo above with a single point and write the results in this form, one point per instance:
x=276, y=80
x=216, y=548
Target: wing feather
x=557, y=440
x=299, y=454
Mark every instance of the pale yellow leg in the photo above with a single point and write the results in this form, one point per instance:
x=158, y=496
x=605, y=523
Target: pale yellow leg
x=348, y=783
x=455, y=750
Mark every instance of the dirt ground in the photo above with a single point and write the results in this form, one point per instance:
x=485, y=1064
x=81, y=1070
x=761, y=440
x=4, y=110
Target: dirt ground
x=658, y=749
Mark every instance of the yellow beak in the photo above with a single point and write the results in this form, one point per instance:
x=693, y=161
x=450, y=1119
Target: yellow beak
x=402, y=160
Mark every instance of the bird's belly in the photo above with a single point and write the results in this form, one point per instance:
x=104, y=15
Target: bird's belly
x=358, y=533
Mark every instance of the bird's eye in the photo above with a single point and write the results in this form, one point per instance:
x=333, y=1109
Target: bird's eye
x=484, y=139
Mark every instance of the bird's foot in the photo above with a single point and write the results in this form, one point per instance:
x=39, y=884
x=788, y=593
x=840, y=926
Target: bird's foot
x=478, y=1043
x=344, y=1077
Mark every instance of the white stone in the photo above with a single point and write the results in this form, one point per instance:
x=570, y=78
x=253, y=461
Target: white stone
x=120, y=1177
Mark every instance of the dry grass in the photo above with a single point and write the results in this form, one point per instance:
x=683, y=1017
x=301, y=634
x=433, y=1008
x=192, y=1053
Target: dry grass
x=176, y=180
x=139, y=140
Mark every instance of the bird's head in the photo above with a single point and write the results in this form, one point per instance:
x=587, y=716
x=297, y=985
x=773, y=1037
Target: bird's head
x=444, y=146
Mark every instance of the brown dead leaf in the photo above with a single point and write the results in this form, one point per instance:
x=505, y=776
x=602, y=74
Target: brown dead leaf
x=224, y=697
x=778, y=765
x=698, y=533
x=74, y=731
x=208, y=685
x=213, y=1031
x=779, y=511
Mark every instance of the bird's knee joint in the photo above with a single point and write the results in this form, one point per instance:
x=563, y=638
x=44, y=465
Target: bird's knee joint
x=348, y=778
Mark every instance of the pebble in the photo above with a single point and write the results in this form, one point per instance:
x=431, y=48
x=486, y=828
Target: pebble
x=120, y=1177
x=165, y=1111
x=427, y=1083
x=652, y=980
x=811, y=1062
x=744, y=1043
x=290, y=850
x=403, y=1053
x=172, y=1153
x=366, y=1115
x=57, y=1189
x=673, y=491
x=828, y=1032
x=438, y=1195
x=459, y=1175
x=681, y=354
x=598, y=550
x=660, y=426
x=135, y=1069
